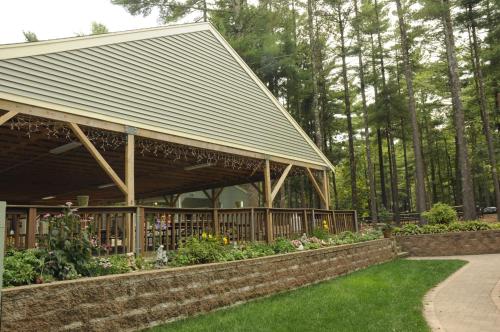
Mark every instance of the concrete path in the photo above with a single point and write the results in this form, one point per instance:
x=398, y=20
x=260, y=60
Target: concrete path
x=469, y=300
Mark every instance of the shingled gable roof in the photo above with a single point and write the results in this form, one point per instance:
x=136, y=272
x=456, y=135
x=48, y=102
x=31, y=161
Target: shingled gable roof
x=183, y=80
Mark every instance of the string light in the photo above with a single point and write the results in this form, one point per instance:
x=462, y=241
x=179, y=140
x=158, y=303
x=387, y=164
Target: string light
x=109, y=140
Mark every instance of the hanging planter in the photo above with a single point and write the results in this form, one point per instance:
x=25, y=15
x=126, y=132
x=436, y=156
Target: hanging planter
x=82, y=200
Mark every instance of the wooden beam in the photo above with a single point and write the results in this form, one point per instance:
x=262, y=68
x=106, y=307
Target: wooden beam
x=6, y=117
x=175, y=198
x=326, y=189
x=267, y=185
x=207, y=194
x=280, y=182
x=215, y=196
x=268, y=202
x=129, y=169
x=98, y=157
x=316, y=185
x=256, y=187
x=31, y=228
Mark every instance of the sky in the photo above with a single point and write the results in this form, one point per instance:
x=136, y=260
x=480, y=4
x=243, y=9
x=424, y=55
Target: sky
x=64, y=18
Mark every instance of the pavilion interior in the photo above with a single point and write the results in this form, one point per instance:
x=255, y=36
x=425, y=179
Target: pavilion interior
x=42, y=169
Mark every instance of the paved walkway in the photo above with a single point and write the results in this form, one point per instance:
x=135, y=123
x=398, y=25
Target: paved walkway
x=468, y=301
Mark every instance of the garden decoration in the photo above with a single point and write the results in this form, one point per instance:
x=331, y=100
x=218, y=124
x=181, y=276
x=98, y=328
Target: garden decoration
x=161, y=257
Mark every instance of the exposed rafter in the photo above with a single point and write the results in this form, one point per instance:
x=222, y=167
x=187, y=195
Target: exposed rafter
x=98, y=157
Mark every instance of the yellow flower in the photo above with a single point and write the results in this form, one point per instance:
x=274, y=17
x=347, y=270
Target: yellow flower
x=204, y=235
x=226, y=241
x=210, y=236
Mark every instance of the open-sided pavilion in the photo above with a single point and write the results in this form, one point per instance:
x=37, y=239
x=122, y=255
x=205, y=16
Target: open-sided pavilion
x=144, y=113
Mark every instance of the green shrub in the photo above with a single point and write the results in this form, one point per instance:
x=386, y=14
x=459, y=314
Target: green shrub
x=312, y=245
x=69, y=246
x=467, y=226
x=408, y=229
x=320, y=233
x=196, y=251
x=282, y=246
x=22, y=267
x=372, y=234
x=440, y=213
x=100, y=266
x=475, y=226
x=256, y=249
x=345, y=238
x=434, y=229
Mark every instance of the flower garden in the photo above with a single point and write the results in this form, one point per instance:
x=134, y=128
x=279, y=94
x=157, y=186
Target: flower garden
x=69, y=251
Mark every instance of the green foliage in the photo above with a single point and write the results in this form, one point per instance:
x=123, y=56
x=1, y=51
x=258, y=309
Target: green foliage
x=256, y=249
x=312, y=245
x=468, y=226
x=440, y=213
x=196, y=251
x=282, y=246
x=408, y=229
x=69, y=247
x=321, y=233
x=22, y=267
x=99, y=266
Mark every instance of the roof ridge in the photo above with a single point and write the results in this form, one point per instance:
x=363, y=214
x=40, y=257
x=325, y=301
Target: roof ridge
x=17, y=50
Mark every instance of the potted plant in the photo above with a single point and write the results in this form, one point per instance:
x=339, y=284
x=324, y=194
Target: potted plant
x=387, y=230
x=82, y=200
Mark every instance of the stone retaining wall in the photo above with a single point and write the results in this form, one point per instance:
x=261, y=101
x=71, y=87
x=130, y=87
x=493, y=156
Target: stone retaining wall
x=139, y=300
x=446, y=244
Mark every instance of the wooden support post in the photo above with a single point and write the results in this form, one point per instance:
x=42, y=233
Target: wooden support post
x=3, y=217
x=98, y=157
x=334, y=220
x=326, y=189
x=140, y=219
x=31, y=229
x=130, y=169
x=215, y=211
x=319, y=191
x=6, y=117
x=280, y=182
x=268, y=202
x=252, y=225
x=356, y=225
x=306, y=224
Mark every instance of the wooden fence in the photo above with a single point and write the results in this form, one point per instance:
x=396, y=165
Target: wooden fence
x=118, y=229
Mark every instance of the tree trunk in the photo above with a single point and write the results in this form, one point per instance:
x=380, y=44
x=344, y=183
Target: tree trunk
x=394, y=177
x=347, y=102
x=369, y=164
x=417, y=148
x=468, y=201
x=408, y=202
x=383, y=192
x=476, y=64
x=314, y=74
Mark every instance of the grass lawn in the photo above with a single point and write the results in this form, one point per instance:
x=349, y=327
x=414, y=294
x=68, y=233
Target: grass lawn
x=384, y=298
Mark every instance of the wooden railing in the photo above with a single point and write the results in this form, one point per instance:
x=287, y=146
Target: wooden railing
x=143, y=229
x=111, y=228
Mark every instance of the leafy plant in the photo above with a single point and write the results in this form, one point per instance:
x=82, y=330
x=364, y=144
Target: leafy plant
x=69, y=247
x=22, y=267
x=440, y=213
x=408, y=229
x=99, y=266
x=282, y=245
x=321, y=233
x=468, y=226
x=196, y=251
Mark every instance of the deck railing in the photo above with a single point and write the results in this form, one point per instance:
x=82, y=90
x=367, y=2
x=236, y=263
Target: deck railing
x=117, y=229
